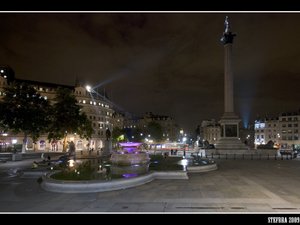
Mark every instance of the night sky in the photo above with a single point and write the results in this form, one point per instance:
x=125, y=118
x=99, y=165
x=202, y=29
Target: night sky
x=166, y=63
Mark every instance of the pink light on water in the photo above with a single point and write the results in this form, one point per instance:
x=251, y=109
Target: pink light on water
x=130, y=144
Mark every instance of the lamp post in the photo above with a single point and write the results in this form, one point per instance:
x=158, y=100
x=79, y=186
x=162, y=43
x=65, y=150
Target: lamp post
x=14, y=142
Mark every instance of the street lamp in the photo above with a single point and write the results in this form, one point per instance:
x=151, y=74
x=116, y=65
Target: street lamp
x=14, y=142
x=88, y=88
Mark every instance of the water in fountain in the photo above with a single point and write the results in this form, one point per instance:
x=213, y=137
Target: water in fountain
x=130, y=161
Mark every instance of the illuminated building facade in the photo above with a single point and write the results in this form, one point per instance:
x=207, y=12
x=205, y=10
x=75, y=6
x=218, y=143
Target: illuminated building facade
x=167, y=123
x=210, y=131
x=97, y=108
x=282, y=130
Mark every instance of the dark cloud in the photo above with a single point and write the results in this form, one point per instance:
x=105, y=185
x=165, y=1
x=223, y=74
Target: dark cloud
x=167, y=63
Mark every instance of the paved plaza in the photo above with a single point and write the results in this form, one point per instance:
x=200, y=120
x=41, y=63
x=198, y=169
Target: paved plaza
x=237, y=186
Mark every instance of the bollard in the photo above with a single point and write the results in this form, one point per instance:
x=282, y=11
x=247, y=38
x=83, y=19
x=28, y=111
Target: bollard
x=98, y=152
x=219, y=156
x=281, y=157
x=81, y=152
x=287, y=157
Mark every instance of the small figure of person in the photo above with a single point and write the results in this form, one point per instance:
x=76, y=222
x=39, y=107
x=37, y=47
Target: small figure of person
x=165, y=155
x=107, y=173
x=108, y=134
x=49, y=160
x=43, y=157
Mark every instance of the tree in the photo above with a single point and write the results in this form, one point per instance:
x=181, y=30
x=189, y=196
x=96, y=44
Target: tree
x=67, y=118
x=24, y=110
x=117, y=134
x=155, y=130
x=136, y=133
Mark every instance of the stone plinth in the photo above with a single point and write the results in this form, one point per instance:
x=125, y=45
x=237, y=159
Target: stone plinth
x=107, y=150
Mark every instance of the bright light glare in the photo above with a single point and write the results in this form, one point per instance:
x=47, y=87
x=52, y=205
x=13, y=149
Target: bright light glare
x=71, y=163
x=88, y=88
x=184, y=162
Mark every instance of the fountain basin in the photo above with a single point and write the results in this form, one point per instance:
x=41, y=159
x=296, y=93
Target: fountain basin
x=123, y=159
x=129, y=155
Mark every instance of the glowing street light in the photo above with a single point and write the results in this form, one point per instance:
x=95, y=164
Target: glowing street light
x=88, y=88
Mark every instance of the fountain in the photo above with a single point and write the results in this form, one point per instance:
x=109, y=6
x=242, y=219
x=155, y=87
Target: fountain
x=129, y=161
x=129, y=155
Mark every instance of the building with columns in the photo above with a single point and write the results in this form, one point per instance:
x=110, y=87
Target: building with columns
x=97, y=108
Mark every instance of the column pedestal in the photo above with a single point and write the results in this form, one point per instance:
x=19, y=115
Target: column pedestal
x=107, y=150
x=230, y=133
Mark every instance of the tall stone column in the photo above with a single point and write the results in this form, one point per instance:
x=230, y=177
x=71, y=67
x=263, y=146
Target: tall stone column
x=228, y=79
x=229, y=122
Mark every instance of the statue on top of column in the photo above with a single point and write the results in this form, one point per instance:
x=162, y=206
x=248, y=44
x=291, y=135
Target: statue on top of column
x=226, y=24
x=227, y=35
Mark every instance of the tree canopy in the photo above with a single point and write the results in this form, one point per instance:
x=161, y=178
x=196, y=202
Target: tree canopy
x=24, y=110
x=67, y=117
x=155, y=130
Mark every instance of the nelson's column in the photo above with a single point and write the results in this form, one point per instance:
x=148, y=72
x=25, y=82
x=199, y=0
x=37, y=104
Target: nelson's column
x=229, y=139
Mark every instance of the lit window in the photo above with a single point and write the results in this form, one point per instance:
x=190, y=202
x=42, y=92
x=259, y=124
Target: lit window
x=94, y=103
x=91, y=102
x=83, y=101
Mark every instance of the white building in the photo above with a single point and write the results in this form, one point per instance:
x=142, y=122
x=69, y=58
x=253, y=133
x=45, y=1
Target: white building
x=210, y=131
x=282, y=130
